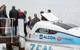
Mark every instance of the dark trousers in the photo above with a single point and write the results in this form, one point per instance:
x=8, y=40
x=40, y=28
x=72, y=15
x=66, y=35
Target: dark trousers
x=14, y=24
x=25, y=31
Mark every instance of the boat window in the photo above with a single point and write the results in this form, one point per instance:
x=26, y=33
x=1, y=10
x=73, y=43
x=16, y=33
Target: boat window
x=65, y=26
x=46, y=31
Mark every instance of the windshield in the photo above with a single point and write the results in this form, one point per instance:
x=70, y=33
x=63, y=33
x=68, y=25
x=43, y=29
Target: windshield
x=65, y=26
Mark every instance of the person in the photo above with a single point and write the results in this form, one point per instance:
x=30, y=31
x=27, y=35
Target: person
x=3, y=11
x=42, y=17
x=2, y=20
x=25, y=23
x=13, y=14
x=25, y=13
x=35, y=19
x=22, y=15
x=29, y=22
x=49, y=11
x=41, y=12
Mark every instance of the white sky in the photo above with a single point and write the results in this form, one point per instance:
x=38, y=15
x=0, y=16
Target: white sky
x=67, y=10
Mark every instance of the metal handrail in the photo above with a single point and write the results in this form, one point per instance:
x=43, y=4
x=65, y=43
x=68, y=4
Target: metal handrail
x=7, y=18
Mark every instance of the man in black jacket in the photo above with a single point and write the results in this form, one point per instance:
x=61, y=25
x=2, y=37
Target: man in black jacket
x=35, y=19
x=14, y=14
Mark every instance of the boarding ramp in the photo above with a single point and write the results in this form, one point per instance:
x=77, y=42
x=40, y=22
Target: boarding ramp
x=7, y=31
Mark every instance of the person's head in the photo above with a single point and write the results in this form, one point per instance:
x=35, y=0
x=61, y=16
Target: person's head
x=13, y=7
x=35, y=15
x=41, y=12
x=19, y=10
x=49, y=11
x=29, y=18
x=3, y=7
x=25, y=12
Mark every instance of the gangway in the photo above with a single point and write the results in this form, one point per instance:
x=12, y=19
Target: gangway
x=7, y=33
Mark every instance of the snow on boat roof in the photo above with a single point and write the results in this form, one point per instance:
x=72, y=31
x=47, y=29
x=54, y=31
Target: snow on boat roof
x=50, y=16
x=47, y=25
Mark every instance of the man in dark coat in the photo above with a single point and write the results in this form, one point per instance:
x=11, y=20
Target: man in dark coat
x=35, y=19
x=14, y=14
x=29, y=22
